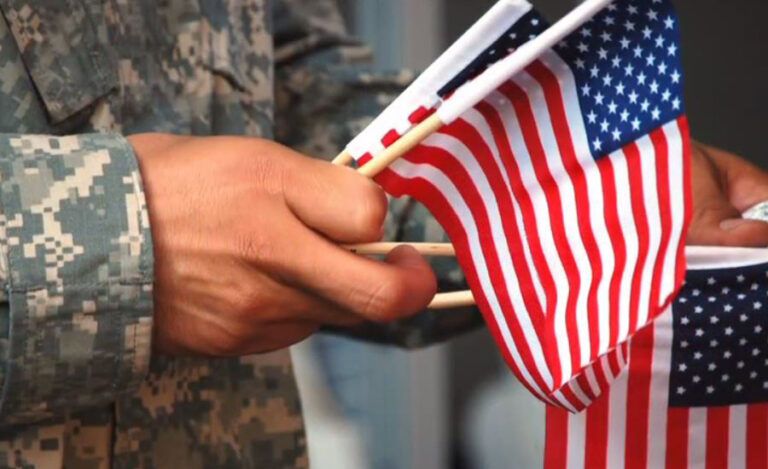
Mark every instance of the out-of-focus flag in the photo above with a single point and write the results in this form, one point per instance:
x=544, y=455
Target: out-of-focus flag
x=695, y=394
x=565, y=191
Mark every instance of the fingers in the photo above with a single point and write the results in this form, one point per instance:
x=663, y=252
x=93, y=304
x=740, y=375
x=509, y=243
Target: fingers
x=379, y=291
x=745, y=184
x=336, y=201
x=720, y=224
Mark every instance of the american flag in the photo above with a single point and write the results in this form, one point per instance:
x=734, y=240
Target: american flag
x=695, y=394
x=564, y=191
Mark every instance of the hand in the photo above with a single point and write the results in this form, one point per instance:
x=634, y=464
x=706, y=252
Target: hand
x=725, y=186
x=246, y=235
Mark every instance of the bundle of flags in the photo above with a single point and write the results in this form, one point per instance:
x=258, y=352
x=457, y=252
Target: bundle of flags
x=564, y=190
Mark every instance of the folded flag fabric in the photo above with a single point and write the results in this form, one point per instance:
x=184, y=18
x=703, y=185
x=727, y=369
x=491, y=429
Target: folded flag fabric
x=695, y=393
x=565, y=191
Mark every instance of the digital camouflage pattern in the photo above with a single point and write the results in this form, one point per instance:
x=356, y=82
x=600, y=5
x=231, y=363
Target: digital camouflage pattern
x=79, y=385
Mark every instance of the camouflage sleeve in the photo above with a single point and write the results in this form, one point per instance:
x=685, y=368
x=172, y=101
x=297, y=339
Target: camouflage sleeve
x=76, y=263
x=326, y=94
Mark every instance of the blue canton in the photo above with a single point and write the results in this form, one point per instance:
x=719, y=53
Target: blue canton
x=720, y=343
x=628, y=71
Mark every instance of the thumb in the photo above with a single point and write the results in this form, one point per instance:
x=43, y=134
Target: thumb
x=722, y=225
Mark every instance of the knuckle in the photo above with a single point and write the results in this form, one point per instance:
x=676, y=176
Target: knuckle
x=370, y=210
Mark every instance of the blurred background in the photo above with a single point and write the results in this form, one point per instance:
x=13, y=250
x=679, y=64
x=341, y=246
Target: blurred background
x=455, y=406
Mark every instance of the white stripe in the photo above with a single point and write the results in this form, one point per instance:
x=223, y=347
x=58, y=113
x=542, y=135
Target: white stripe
x=459, y=151
x=589, y=373
x=569, y=215
x=677, y=205
x=648, y=162
x=476, y=120
x=628, y=229
x=659, y=392
x=737, y=437
x=451, y=192
x=617, y=421
x=578, y=134
x=697, y=438
x=707, y=258
x=577, y=433
x=538, y=199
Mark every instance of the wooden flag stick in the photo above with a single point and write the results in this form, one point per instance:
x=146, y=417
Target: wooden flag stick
x=344, y=159
x=425, y=249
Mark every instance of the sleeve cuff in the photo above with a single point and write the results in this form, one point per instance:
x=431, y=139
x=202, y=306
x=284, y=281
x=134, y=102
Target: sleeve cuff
x=77, y=268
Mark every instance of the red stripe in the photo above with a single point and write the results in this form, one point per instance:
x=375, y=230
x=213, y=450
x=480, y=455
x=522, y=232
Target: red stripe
x=556, y=444
x=468, y=135
x=439, y=206
x=717, y=437
x=635, y=171
x=677, y=438
x=596, y=452
x=661, y=148
x=522, y=105
x=556, y=107
x=638, y=399
x=757, y=436
x=618, y=244
x=530, y=224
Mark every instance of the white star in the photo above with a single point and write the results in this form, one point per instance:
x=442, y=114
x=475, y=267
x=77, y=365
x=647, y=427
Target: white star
x=625, y=43
x=586, y=89
x=682, y=367
x=650, y=60
x=635, y=124
x=712, y=367
x=638, y=52
x=632, y=9
x=713, y=343
x=727, y=308
x=586, y=32
x=725, y=290
x=742, y=342
x=656, y=114
x=592, y=117
x=662, y=68
x=647, y=32
x=606, y=36
x=684, y=344
x=758, y=329
x=665, y=96
x=610, y=21
x=680, y=390
x=676, y=104
x=710, y=389
x=645, y=105
x=616, y=62
x=727, y=354
x=604, y=126
x=696, y=292
x=755, y=352
x=714, y=320
x=652, y=15
x=676, y=77
x=757, y=305
x=660, y=42
x=754, y=287
x=616, y=135
x=633, y=97
x=629, y=26
x=753, y=375
x=641, y=78
x=696, y=378
x=738, y=387
x=607, y=80
x=583, y=48
x=624, y=115
x=740, y=364
x=672, y=50
x=697, y=355
x=684, y=320
x=741, y=296
x=740, y=278
x=594, y=71
x=729, y=331
x=580, y=64
x=628, y=70
x=699, y=332
x=535, y=21
x=725, y=378
x=612, y=107
x=654, y=87
x=620, y=89
x=669, y=23
x=698, y=310
x=599, y=98
x=711, y=281
x=597, y=144
x=612, y=7
x=603, y=54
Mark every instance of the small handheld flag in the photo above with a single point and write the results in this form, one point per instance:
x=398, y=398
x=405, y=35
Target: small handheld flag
x=564, y=190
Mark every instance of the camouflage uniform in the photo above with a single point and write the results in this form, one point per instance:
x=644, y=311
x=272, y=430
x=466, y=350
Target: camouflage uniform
x=79, y=385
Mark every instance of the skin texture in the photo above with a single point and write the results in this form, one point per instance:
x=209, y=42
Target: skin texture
x=724, y=187
x=246, y=234
x=247, y=231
